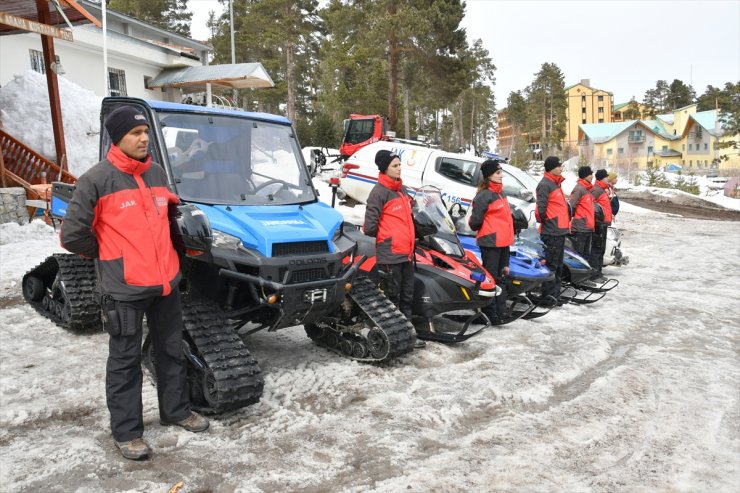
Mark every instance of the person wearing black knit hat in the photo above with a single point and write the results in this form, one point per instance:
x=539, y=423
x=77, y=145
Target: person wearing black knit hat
x=121, y=120
x=551, y=163
x=582, y=205
x=554, y=217
x=121, y=214
x=491, y=218
x=598, y=242
x=389, y=219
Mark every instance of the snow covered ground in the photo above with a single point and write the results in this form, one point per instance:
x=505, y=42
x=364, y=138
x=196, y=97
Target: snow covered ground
x=638, y=392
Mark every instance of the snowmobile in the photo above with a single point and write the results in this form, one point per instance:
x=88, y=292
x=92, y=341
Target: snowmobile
x=263, y=254
x=526, y=272
x=578, y=286
x=447, y=279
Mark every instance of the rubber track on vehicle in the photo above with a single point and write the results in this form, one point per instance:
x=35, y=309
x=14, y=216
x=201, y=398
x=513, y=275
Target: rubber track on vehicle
x=238, y=377
x=384, y=315
x=80, y=285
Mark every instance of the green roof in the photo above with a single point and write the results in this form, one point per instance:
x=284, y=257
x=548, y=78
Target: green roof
x=707, y=119
x=604, y=132
x=619, y=106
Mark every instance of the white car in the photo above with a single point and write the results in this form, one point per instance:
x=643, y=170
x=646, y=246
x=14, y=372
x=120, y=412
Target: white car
x=456, y=175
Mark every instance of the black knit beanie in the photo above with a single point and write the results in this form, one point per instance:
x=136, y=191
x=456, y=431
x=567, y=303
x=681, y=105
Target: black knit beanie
x=601, y=174
x=120, y=121
x=552, y=162
x=489, y=167
x=383, y=159
x=584, y=171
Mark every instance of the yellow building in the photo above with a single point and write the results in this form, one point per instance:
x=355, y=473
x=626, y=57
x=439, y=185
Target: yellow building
x=685, y=138
x=619, y=111
x=585, y=105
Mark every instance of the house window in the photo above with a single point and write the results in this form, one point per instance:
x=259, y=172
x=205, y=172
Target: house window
x=601, y=99
x=691, y=163
x=147, y=81
x=583, y=99
x=601, y=120
x=650, y=149
x=689, y=146
x=665, y=148
x=621, y=150
x=584, y=121
x=601, y=110
x=116, y=82
x=706, y=146
x=583, y=110
x=37, y=61
x=608, y=152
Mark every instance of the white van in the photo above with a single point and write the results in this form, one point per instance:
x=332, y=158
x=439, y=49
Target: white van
x=456, y=175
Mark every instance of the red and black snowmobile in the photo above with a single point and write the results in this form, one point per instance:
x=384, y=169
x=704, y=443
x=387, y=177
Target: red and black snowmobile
x=447, y=278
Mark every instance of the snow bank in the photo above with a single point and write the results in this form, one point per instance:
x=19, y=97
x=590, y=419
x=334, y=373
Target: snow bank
x=25, y=114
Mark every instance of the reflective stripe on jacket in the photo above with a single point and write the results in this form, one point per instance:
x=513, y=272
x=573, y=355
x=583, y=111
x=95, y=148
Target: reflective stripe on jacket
x=119, y=215
x=388, y=218
x=491, y=218
x=582, y=203
x=552, y=210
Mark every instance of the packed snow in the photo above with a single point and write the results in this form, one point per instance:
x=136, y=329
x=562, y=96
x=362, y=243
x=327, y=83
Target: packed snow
x=637, y=392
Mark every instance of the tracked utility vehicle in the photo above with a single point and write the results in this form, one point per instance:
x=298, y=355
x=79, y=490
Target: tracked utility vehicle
x=262, y=253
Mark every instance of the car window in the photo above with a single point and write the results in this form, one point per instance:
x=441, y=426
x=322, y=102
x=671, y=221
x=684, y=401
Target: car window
x=512, y=186
x=457, y=170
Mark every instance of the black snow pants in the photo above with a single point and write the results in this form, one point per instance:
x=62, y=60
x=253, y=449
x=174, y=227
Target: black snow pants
x=398, y=285
x=554, y=250
x=598, y=247
x=123, y=377
x=494, y=260
x=582, y=244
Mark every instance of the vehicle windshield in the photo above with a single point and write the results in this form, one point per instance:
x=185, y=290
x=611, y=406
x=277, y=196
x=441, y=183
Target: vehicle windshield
x=429, y=199
x=219, y=159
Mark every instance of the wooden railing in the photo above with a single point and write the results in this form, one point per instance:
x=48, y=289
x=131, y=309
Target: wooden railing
x=24, y=167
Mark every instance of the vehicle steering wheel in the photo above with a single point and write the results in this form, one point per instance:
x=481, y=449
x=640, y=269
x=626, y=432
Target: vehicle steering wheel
x=284, y=185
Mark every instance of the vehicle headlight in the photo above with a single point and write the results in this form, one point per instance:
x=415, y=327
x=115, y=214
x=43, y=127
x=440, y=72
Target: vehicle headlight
x=224, y=240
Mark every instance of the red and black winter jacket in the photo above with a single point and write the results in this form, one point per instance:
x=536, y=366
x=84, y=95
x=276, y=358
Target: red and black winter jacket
x=552, y=210
x=582, y=202
x=491, y=218
x=601, y=197
x=119, y=215
x=388, y=218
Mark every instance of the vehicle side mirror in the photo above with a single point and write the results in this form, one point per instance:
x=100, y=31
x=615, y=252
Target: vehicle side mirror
x=527, y=196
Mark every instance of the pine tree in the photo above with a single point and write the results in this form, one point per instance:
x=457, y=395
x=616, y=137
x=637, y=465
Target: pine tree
x=171, y=15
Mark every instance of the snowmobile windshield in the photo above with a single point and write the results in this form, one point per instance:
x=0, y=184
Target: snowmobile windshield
x=220, y=159
x=445, y=240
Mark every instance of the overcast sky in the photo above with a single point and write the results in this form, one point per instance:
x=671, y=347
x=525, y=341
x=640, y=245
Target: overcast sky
x=622, y=46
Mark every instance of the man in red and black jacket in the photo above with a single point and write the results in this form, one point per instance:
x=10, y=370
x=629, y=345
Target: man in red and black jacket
x=598, y=245
x=120, y=216
x=554, y=218
x=389, y=219
x=582, y=203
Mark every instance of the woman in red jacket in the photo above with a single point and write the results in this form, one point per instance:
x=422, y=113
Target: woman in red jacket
x=491, y=218
x=388, y=218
